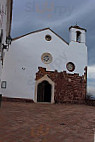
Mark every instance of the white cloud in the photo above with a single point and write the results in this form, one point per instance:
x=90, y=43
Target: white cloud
x=91, y=80
x=91, y=90
x=91, y=72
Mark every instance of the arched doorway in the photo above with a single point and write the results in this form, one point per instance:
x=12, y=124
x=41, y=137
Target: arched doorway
x=44, y=92
x=50, y=83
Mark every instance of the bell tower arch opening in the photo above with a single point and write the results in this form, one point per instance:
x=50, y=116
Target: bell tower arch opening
x=78, y=36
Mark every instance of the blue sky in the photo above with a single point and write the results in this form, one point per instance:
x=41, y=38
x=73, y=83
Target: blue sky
x=59, y=15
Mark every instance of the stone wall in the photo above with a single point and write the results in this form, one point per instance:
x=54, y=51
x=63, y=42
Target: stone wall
x=68, y=87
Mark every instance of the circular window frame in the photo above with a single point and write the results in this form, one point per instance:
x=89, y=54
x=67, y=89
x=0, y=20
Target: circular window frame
x=50, y=58
x=48, y=37
x=73, y=65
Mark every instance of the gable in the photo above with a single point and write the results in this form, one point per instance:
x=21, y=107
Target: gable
x=46, y=31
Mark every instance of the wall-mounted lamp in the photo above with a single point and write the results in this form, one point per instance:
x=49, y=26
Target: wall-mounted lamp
x=5, y=46
x=8, y=40
x=2, y=52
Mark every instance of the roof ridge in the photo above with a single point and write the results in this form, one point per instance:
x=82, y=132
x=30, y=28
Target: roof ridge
x=30, y=33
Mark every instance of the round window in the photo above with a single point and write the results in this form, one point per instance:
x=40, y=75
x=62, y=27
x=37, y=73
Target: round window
x=48, y=37
x=70, y=67
x=46, y=58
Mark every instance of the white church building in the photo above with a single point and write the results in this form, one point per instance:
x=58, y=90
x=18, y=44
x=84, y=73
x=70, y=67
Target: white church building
x=42, y=67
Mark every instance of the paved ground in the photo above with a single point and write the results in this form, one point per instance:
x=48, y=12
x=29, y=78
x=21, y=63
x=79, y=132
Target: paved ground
x=26, y=122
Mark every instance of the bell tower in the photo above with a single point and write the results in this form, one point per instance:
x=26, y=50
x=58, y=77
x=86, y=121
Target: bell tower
x=77, y=34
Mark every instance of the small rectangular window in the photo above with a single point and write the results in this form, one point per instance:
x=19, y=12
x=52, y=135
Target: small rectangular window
x=3, y=84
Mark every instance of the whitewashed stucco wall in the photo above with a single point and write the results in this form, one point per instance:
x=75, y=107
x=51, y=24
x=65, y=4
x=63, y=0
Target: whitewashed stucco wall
x=26, y=53
x=3, y=21
x=3, y=18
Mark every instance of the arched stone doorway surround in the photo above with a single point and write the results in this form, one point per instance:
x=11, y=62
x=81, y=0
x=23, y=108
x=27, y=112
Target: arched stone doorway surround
x=44, y=78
